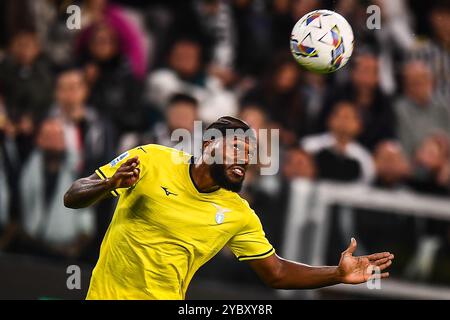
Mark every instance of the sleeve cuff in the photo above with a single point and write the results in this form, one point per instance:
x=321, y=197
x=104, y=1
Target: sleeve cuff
x=102, y=176
x=257, y=256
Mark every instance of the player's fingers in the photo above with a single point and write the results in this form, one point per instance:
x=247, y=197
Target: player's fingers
x=383, y=275
x=377, y=256
x=136, y=172
x=380, y=261
x=128, y=168
x=385, y=265
x=383, y=260
x=134, y=159
x=133, y=165
x=131, y=160
x=351, y=248
x=125, y=169
x=127, y=174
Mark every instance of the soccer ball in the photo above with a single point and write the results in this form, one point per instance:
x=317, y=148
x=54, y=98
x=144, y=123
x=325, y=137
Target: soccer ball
x=322, y=41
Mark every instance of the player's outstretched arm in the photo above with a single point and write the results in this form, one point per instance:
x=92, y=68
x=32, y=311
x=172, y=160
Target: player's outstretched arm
x=86, y=191
x=284, y=274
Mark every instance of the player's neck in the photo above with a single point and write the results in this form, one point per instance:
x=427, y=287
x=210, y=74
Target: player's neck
x=201, y=176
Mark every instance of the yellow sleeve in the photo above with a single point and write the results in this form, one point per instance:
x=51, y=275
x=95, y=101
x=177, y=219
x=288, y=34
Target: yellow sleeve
x=251, y=242
x=108, y=170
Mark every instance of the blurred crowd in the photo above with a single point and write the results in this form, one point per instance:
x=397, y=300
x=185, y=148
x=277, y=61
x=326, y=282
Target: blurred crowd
x=72, y=99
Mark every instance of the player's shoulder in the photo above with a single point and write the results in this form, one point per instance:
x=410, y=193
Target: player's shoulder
x=240, y=204
x=155, y=148
x=163, y=151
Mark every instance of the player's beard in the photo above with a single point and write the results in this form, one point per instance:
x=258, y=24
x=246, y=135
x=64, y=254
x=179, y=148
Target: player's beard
x=218, y=173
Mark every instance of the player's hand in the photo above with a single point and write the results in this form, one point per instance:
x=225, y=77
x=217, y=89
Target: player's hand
x=127, y=174
x=354, y=270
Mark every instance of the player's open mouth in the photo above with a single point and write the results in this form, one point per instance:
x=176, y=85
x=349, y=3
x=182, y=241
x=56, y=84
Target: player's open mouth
x=238, y=171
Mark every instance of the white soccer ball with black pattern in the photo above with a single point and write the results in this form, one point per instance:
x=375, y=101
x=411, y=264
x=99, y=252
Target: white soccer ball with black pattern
x=322, y=41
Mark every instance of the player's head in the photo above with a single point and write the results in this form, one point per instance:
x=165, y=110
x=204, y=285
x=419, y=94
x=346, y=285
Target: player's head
x=228, y=146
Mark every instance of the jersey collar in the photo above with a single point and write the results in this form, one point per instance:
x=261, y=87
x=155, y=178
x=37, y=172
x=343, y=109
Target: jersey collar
x=191, y=164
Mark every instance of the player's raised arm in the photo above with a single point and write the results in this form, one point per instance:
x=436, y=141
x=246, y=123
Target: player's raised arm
x=283, y=274
x=86, y=191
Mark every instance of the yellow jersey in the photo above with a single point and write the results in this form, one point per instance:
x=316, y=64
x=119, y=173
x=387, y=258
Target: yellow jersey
x=164, y=229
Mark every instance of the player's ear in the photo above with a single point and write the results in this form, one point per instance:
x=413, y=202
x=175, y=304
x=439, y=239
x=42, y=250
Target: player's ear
x=206, y=144
x=208, y=149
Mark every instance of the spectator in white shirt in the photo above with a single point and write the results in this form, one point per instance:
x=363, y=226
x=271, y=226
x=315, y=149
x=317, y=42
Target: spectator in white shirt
x=337, y=154
x=51, y=228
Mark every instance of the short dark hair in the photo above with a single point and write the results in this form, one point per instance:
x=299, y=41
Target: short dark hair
x=230, y=123
x=182, y=98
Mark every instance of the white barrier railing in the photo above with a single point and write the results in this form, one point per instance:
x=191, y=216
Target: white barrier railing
x=309, y=210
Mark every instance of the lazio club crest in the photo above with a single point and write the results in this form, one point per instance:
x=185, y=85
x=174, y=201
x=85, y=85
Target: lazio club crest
x=220, y=213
